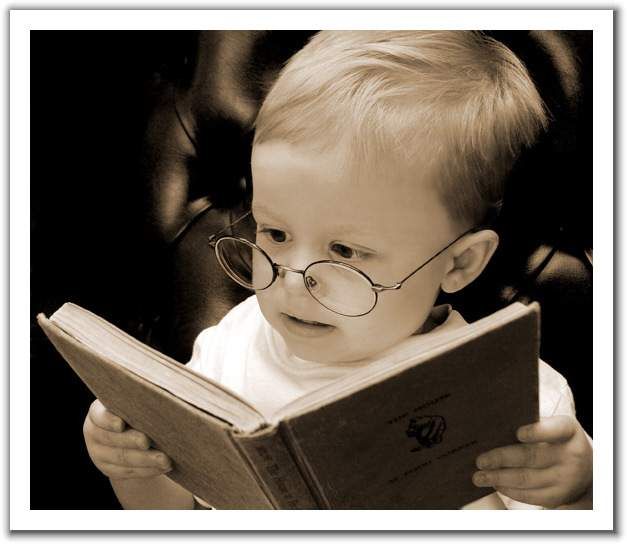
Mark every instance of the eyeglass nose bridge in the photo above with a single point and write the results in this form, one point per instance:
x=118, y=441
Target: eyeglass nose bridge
x=310, y=283
x=279, y=267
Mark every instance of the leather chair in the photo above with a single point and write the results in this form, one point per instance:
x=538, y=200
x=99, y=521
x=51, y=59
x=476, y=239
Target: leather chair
x=196, y=163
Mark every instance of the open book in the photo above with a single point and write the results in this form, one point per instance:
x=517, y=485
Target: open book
x=402, y=434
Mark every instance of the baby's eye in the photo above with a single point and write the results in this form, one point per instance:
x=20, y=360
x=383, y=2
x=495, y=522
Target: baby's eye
x=346, y=252
x=275, y=235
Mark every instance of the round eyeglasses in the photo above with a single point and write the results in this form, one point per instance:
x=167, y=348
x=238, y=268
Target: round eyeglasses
x=338, y=286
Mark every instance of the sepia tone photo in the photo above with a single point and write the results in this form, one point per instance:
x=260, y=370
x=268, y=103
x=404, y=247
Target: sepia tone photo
x=319, y=269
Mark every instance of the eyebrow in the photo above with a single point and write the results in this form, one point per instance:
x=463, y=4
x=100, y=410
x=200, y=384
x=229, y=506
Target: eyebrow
x=262, y=209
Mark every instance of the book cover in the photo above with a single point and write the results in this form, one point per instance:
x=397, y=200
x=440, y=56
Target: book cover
x=402, y=435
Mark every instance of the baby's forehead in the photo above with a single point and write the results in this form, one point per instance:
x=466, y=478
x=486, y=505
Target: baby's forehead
x=295, y=166
x=356, y=160
x=377, y=220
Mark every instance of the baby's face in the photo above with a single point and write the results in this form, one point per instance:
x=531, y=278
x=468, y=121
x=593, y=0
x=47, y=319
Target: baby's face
x=307, y=209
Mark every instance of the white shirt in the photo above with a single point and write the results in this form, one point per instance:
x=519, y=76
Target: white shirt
x=244, y=353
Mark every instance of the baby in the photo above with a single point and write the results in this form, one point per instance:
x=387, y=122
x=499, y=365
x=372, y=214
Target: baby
x=377, y=157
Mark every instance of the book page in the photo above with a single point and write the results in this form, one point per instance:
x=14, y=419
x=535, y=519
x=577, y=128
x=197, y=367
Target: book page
x=107, y=340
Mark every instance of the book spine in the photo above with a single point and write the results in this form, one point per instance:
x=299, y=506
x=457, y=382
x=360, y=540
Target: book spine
x=276, y=469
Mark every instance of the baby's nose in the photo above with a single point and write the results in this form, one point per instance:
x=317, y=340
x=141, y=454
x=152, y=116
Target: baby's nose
x=291, y=278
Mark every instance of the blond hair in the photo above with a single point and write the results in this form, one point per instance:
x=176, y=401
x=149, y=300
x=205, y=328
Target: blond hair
x=458, y=101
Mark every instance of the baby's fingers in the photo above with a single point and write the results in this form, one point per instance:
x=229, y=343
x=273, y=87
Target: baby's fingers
x=518, y=455
x=518, y=478
x=582, y=503
x=127, y=457
x=116, y=472
x=551, y=429
x=130, y=438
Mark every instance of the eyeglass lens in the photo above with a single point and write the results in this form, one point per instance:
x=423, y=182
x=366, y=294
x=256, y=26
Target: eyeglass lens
x=338, y=288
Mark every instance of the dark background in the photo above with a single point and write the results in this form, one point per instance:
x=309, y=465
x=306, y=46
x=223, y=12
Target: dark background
x=91, y=96
x=91, y=93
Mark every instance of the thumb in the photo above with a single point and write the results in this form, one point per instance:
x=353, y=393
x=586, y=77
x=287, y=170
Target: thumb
x=550, y=429
x=105, y=419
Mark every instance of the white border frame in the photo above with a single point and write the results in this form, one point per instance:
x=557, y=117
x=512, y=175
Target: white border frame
x=21, y=22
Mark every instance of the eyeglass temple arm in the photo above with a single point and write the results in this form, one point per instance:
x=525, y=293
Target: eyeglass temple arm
x=230, y=225
x=399, y=284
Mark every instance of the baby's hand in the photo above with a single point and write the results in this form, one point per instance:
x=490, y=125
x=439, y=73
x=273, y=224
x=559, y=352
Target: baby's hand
x=552, y=467
x=120, y=453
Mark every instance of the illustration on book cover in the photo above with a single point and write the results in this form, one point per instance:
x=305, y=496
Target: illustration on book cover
x=427, y=430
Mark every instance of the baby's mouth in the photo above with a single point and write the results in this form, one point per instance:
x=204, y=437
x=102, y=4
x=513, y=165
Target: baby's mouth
x=304, y=326
x=307, y=322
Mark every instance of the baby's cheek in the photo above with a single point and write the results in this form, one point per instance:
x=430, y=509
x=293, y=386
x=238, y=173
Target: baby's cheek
x=393, y=324
x=265, y=305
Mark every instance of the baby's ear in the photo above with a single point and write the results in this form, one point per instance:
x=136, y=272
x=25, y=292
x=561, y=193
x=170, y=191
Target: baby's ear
x=470, y=255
